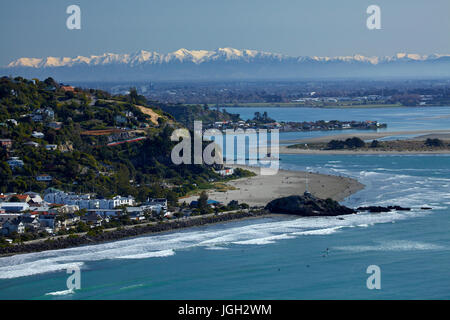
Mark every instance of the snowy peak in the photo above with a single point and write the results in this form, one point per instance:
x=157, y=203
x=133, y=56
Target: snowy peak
x=226, y=54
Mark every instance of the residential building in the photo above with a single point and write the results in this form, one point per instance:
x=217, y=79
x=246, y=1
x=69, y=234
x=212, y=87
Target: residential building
x=12, y=121
x=51, y=147
x=37, y=134
x=55, y=125
x=6, y=143
x=225, y=171
x=44, y=177
x=15, y=162
x=32, y=144
x=14, y=206
x=15, y=225
x=85, y=201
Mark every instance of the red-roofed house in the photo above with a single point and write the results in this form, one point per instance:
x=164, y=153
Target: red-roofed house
x=68, y=88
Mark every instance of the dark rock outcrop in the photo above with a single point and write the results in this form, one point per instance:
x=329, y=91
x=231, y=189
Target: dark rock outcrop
x=378, y=209
x=307, y=205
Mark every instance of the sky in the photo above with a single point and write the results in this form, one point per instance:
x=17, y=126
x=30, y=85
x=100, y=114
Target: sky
x=37, y=28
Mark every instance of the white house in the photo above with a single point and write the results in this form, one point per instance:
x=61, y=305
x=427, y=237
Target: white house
x=84, y=201
x=37, y=134
x=12, y=121
x=225, y=171
x=14, y=206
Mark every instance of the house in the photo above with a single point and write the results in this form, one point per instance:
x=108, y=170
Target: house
x=44, y=177
x=34, y=197
x=22, y=197
x=67, y=88
x=120, y=201
x=30, y=222
x=37, y=134
x=37, y=117
x=32, y=144
x=51, y=147
x=14, y=206
x=120, y=119
x=70, y=220
x=135, y=213
x=13, y=226
x=84, y=201
x=55, y=125
x=6, y=143
x=211, y=203
x=94, y=219
x=48, y=221
x=8, y=217
x=225, y=171
x=12, y=121
x=15, y=162
x=162, y=202
x=65, y=209
x=49, y=114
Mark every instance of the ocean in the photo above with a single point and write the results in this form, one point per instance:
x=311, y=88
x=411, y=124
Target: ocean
x=281, y=257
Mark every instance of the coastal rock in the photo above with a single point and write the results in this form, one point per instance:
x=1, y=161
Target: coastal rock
x=307, y=205
x=379, y=209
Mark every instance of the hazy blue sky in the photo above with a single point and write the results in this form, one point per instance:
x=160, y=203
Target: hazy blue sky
x=295, y=27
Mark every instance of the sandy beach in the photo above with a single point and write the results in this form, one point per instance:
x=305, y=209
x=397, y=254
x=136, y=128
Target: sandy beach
x=286, y=150
x=369, y=136
x=421, y=136
x=259, y=190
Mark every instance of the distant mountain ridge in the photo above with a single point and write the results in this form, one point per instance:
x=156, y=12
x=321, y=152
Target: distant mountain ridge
x=227, y=63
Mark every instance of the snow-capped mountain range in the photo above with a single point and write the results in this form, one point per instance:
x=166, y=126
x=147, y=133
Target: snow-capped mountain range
x=226, y=63
x=201, y=56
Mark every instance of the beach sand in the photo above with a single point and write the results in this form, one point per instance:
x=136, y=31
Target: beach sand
x=421, y=135
x=285, y=150
x=366, y=136
x=259, y=190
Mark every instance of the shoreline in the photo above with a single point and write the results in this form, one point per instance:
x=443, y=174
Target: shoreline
x=421, y=135
x=260, y=190
x=285, y=183
x=128, y=233
x=285, y=150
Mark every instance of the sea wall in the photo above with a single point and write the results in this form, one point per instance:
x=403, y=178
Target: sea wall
x=69, y=242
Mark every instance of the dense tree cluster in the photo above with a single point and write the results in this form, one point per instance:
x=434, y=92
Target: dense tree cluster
x=84, y=163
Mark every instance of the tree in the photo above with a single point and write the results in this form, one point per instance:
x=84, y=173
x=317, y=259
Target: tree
x=203, y=203
x=354, y=142
x=375, y=144
x=336, y=144
x=434, y=143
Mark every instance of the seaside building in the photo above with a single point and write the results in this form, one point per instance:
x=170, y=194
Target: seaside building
x=84, y=201
x=14, y=206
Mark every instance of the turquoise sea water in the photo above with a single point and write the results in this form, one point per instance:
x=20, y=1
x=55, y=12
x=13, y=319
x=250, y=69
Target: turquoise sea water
x=276, y=258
